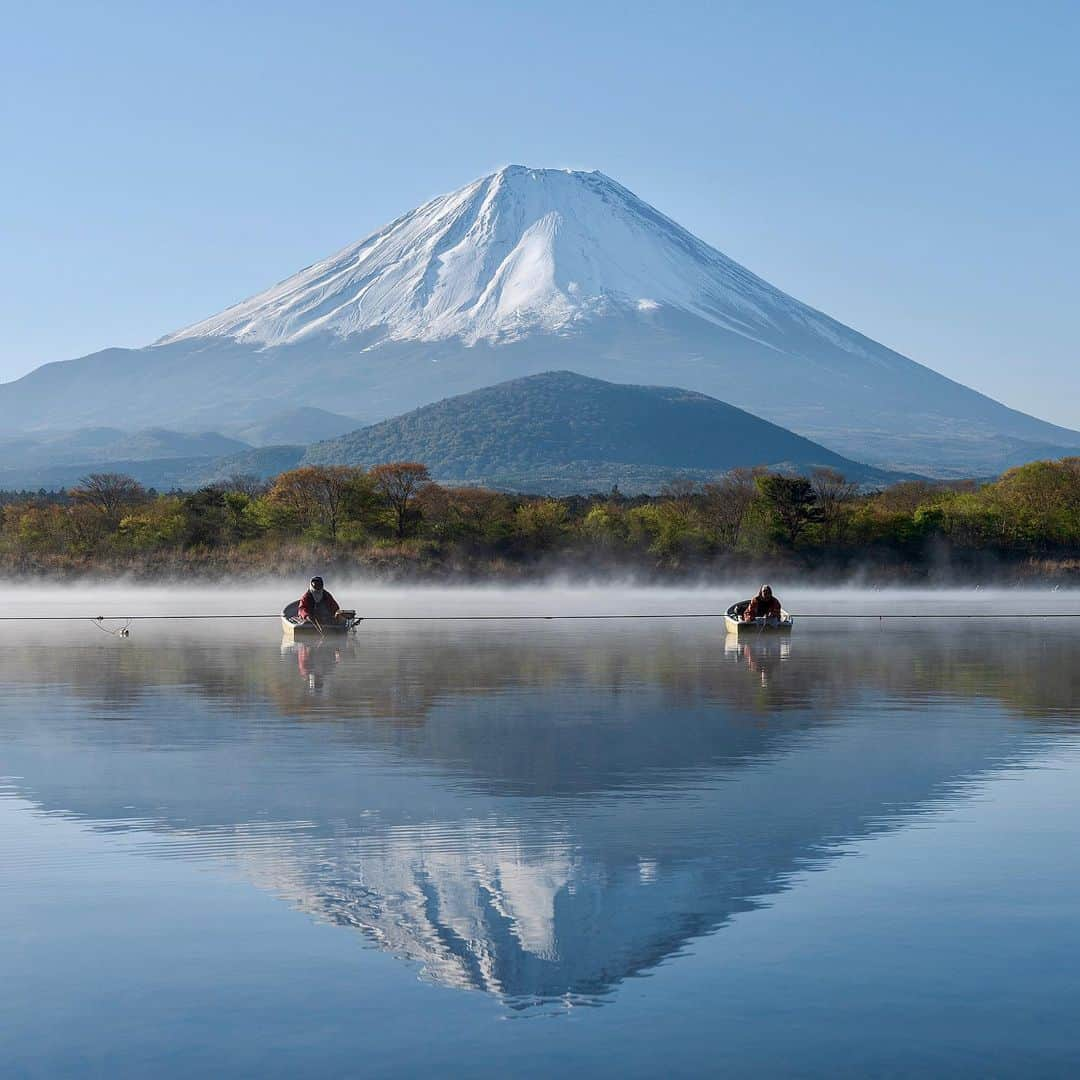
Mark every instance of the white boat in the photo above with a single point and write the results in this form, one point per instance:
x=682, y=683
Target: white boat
x=736, y=625
x=297, y=629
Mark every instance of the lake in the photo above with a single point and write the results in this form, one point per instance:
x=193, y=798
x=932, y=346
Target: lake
x=619, y=847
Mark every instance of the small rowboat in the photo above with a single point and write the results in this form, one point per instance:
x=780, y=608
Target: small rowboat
x=734, y=622
x=296, y=630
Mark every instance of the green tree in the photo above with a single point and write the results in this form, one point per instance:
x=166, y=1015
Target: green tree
x=35, y=529
x=790, y=503
x=159, y=524
x=605, y=525
x=205, y=518
x=1039, y=503
x=541, y=523
x=670, y=531
x=362, y=508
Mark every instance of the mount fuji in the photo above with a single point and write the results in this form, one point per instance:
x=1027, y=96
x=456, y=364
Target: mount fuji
x=522, y=272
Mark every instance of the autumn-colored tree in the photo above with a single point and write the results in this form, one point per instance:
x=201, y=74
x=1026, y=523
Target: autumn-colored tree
x=109, y=493
x=907, y=496
x=727, y=503
x=466, y=512
x=833, y=492
x=316, y=494
x=398, y=482
x=85, y=528
x=682, y=492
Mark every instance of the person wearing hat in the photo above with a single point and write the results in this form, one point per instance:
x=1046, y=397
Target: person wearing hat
x=317, y=605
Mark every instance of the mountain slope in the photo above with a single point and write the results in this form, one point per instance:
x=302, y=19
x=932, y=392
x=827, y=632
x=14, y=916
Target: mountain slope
x=88, y=445
x=164, y=474
x=519, y=273
x=262, y=463
x=305, y=424
x=560, y=433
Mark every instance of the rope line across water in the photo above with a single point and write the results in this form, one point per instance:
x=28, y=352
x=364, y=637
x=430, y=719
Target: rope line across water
x=562, y=618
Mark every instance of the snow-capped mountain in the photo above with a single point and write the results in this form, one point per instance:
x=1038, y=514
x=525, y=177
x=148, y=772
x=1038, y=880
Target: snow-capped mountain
x=515, y=253
x=522, y=272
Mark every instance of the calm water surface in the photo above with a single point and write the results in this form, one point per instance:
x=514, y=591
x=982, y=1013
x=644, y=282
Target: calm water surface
x=486, y=849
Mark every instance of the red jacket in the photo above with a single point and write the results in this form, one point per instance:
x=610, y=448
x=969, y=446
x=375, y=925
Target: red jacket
x=324, y=612
x=762, y=609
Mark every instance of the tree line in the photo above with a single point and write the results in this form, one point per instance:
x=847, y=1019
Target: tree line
x=395, y=518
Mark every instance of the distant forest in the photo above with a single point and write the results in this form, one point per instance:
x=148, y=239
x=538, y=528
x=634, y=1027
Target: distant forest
x=393, y=521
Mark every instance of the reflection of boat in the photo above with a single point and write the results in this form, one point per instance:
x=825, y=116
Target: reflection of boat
x=763, y=653
x=315, y=660
x=735, y=625
x=750, y=647
x=292, y=627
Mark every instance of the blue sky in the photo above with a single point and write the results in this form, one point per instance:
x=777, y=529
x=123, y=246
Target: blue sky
x=910, y=169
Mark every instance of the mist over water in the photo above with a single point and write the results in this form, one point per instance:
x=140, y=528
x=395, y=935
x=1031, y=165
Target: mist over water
x=556, y=597
x=850, y=850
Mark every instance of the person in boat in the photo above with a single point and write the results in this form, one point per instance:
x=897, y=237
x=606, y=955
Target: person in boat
x=317, y=605
x=763, y=606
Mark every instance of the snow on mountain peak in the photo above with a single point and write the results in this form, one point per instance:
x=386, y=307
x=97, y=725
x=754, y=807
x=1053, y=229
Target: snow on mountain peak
x=517, y=251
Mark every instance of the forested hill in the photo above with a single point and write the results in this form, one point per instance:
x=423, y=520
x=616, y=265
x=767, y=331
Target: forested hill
x=560, y=432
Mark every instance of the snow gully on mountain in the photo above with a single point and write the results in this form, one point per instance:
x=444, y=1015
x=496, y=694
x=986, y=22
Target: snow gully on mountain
x=521, y=250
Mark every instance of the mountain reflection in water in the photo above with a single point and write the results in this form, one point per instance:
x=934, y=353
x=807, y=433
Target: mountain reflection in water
x=537, y=814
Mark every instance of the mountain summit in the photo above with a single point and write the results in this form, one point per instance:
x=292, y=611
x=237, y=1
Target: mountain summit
x=520, y=251
x=519, y=273
x=560, y=433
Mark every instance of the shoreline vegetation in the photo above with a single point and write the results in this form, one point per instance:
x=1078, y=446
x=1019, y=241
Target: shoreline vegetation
x=393, y=522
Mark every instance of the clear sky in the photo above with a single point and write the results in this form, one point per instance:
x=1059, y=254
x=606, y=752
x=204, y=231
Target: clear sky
x=912, y=169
